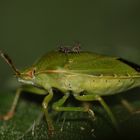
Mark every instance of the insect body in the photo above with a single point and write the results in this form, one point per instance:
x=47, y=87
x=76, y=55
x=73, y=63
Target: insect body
x=69, y=49
x=88, y=73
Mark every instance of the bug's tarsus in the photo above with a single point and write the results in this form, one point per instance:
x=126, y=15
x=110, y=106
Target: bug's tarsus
x=9, y=62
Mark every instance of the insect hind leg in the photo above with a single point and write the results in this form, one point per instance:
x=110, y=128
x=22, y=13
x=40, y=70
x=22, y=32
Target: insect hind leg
x=132, y=110
x=102, y=102
x=126, y=104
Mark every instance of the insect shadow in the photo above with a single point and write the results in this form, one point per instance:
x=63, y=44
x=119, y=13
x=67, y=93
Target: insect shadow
x=34, y=98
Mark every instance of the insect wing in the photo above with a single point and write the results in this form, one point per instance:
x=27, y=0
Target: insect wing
x=84, y=62
x=91, y=63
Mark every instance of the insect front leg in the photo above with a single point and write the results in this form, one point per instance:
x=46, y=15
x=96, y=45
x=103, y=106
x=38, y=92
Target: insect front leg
x=32, y=89
x=45, y=103
x=11, y=112
x=100, y=99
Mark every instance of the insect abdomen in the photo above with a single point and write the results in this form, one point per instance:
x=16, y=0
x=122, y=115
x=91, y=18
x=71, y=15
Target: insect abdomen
x=98, y=85
x=107, y=85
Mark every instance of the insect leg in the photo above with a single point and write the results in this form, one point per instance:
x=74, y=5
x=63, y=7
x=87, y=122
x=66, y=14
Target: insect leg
x=45, y=103
x=34, y=90
x=126, y=104
x=58, y=106
x=110, y=114
x=11, y=112
x=98, y=98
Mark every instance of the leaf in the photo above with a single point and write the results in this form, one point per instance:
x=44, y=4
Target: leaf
x=69, y=125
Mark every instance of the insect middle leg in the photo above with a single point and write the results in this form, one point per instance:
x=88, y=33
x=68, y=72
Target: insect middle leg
x=100, y=99
x=58, y=106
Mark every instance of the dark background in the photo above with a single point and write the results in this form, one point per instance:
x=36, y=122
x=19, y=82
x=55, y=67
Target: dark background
x=30, y=28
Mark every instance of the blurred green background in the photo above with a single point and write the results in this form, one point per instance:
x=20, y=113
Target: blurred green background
x=30, y=28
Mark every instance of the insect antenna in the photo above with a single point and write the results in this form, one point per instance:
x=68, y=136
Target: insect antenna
x=9, y=62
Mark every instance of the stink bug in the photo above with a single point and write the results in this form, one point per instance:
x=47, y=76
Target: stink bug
x=91, y=74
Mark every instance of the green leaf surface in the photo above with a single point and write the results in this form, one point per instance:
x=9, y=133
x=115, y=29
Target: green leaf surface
x=69, y=125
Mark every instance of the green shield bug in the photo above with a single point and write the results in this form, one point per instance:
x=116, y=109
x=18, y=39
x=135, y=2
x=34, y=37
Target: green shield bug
x=91, y=74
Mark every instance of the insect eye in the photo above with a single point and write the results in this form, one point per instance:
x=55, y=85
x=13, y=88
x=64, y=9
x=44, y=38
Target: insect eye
x=33, y=71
